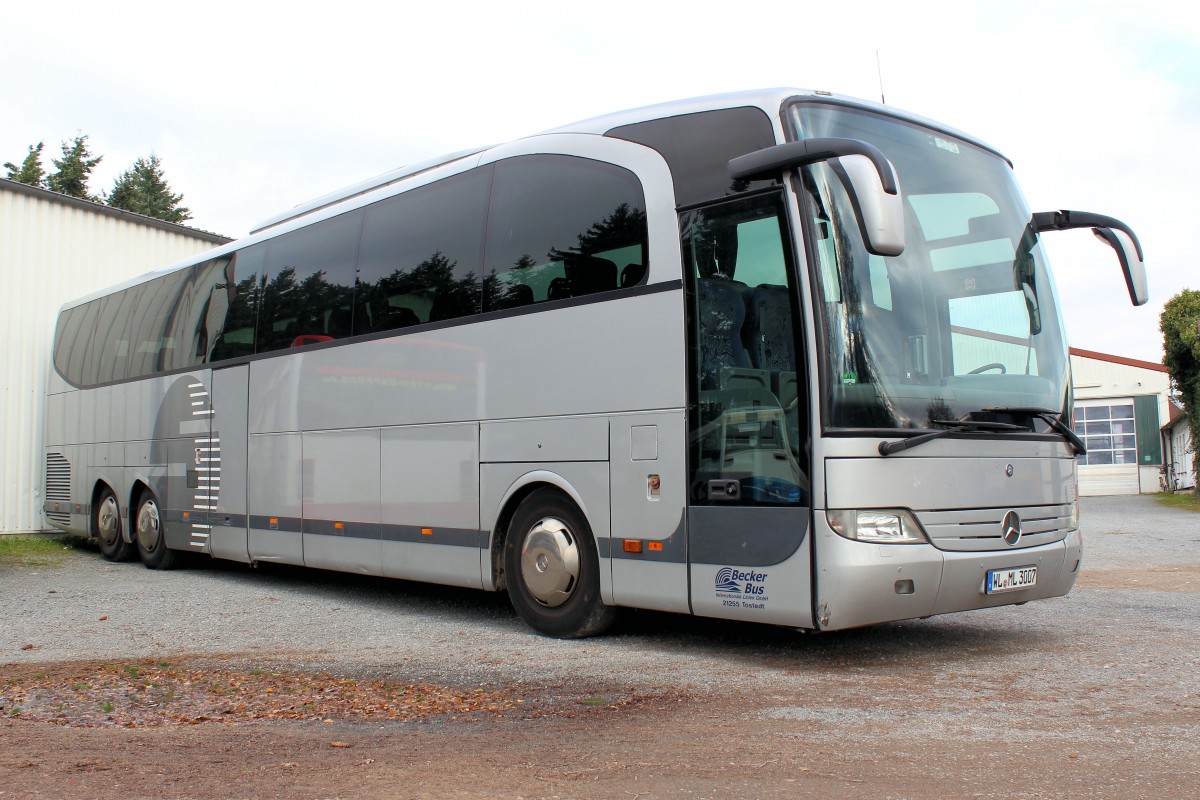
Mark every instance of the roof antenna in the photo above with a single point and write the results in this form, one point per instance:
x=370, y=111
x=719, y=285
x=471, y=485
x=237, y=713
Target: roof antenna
x=879, y=68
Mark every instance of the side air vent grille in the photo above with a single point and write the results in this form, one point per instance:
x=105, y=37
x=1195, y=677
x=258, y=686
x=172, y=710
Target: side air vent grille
x=58, y=488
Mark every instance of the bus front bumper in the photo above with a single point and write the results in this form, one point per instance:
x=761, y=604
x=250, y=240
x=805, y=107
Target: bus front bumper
x=860, y=583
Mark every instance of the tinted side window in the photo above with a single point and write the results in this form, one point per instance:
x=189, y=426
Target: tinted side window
x=697, y=148
x=419, y=260
x=309, y=291
x=76, y=329
x=187, y=323
x=152, y=344
x=562, y=227
x=111, y=347
x=232, y=306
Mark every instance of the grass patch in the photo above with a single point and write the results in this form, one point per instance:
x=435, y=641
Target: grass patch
x=1185, y=499
x=33, y=551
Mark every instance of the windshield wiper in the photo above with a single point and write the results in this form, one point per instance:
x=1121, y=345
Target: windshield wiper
x=1051, y=418
x=952, y=426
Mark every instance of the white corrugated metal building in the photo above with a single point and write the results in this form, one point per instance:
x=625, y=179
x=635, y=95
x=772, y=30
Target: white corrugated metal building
x=54, y=248
x=1120, y=403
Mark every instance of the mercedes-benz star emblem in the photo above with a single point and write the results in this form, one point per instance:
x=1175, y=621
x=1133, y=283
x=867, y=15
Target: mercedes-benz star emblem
x=1010, y=528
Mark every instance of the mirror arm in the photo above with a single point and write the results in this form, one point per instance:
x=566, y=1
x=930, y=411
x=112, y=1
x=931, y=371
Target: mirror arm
x=1065, y=220
x=772, y=160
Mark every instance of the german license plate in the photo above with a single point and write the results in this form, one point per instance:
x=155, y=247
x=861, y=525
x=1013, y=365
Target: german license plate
x=1010, y=580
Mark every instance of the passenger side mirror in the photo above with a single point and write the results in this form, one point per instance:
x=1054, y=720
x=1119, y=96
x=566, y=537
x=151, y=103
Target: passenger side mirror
x=869, y=179
x=1116, y=234
x=1130, y=256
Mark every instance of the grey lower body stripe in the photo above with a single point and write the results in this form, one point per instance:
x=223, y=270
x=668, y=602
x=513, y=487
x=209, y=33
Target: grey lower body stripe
x=388, y=532
x=674, y=547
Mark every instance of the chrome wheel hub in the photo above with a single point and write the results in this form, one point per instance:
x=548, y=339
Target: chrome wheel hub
x=108, y=521
x=550, y=562
x=148, y=526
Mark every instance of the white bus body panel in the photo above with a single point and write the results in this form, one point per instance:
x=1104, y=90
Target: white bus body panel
x=641, y=446
x=430, y=491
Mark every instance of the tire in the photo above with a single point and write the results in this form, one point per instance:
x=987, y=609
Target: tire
x=106, y=523
x=552, y=571
x=151, y=535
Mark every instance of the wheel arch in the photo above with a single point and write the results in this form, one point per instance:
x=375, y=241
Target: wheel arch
x=516, y=494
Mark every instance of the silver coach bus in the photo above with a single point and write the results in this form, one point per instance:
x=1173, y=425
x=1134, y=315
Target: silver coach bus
x=777, y=356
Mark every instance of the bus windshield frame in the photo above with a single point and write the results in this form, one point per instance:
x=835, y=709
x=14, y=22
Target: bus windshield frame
x=965, y=320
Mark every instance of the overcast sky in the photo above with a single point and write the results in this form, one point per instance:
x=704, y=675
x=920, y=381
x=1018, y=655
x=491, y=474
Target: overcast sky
x=254, y=107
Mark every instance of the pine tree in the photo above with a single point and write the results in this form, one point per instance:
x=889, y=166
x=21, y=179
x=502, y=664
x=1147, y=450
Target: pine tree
x=74, y=169
x=30, y=171
x=142, y=189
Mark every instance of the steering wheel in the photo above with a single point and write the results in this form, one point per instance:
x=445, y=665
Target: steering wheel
x=986, y=367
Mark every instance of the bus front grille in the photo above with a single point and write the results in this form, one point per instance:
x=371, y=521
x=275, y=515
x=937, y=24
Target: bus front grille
x=981, y=529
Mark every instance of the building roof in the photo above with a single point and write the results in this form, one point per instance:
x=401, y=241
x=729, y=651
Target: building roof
x=109, y=211
x=1174, y=413
x=1128, y=362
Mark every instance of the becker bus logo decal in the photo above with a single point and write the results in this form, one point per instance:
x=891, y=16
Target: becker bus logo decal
x=741, y=588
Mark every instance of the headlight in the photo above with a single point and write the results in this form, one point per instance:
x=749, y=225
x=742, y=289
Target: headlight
x=887, y=526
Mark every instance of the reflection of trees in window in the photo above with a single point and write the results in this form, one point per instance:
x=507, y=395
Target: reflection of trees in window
x=609, y=253
x=231, y=315
x=428, y=292
x=624, y=227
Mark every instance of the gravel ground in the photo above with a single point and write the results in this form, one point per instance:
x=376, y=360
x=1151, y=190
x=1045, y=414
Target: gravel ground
x=1092, y=695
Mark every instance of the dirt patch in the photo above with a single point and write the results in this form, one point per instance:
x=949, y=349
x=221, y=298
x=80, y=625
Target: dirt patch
x=156, y=693
x=1155, y=579
x=193, y=691
x=199, y=728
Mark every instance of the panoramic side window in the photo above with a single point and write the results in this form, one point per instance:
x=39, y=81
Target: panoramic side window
x=419, y=260
x=308, y=294
x=152, y=343
x=111, y=355
x=77, y=328
x=562, y=227
x=232, y=307
x=747, y=425
x=187, y=322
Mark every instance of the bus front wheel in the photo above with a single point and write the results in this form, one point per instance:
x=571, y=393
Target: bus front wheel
x=552, y=569
x=106, y=521
x=151, y=535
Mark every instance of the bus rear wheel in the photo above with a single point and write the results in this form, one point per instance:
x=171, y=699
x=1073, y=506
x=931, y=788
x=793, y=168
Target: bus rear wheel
x=151, y=535
x=106, y=522
x=552, y=569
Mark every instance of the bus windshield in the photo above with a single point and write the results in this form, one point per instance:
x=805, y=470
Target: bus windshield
x=964, y=320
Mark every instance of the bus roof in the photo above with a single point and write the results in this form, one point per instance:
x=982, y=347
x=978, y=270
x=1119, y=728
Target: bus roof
x=770, y=101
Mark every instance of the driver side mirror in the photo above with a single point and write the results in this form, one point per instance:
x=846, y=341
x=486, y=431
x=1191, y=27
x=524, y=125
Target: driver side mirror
x=1116, y=234
x=869, y=179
